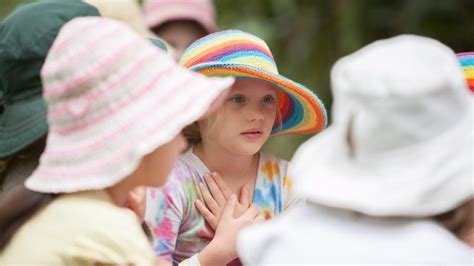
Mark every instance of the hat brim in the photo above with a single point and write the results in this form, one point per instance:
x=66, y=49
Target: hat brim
x=22, y=123
x=302, y=112
x=421, y=180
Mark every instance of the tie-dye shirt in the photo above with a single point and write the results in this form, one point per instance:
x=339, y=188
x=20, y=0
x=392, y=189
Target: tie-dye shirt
x=178, y=228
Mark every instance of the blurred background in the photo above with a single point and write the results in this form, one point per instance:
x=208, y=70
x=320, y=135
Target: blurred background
x=308, y=36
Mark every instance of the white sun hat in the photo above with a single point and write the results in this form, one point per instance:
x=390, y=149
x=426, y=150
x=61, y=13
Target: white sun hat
x=404, y=106
x=112, y=98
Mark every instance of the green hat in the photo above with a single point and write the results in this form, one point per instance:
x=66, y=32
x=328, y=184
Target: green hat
x=26, y=35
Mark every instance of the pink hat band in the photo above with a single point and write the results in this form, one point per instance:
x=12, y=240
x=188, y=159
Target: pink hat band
x=157, y=12
x=112, y=98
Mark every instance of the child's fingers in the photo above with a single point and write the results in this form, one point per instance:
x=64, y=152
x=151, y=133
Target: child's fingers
x=209, y=200
x=208, y=216
x=229, y=207
x=215, y=190
x=137, y=205
x=222, y=185
x=250, y=213
x=245, y=196
x=139, y=191
x=260, y=218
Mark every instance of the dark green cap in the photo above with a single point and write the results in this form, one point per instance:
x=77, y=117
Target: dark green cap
x=26, y=36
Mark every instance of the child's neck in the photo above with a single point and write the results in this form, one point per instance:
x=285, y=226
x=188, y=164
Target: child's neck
x=236, y=170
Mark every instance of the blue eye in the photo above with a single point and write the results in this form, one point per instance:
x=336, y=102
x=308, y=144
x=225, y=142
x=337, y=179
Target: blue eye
x=268, y=99
x=238, y=98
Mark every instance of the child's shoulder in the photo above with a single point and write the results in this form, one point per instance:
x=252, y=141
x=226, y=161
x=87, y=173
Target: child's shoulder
x=183, y=170
x=266, y=157
x=272, y=165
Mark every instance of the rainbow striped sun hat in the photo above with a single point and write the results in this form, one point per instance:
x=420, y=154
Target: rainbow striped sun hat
x=243, y=55
x=467, y=63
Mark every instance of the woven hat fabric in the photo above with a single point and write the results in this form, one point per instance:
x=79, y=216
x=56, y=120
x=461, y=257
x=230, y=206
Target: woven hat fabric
x=467, y=63
x=25, y=38
x=112, y=98
x=401, y=138
x=243, y=55
x=157, y=12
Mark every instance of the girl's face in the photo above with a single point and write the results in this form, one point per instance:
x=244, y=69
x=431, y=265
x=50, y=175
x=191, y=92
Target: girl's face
x=157, y=165
x=180, y=35
x=245, y=119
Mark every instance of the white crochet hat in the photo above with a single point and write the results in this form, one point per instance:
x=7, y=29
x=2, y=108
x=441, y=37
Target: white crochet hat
x=403, y=105
x=112, y=98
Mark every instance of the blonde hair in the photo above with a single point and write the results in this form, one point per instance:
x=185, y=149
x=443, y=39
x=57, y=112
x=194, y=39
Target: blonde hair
x=192, y=133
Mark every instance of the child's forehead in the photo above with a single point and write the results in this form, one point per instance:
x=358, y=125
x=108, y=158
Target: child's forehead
x=253, y=85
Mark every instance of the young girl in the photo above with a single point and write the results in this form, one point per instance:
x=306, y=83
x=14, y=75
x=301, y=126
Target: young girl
x=261, y=103
x=115, y=115
x=180, y=23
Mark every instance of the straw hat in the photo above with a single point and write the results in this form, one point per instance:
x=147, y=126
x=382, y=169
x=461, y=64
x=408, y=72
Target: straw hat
x=112, y=98
x=402, y=103
x=25, y=38
x=243, y=55
x=157, y=12
x=467, y=63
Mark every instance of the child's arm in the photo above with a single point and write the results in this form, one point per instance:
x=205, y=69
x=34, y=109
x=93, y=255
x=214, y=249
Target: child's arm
x=164, y=216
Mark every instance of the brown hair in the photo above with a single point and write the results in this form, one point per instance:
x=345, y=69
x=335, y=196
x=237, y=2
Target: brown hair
x=192, y=133
x=200, y=28
x=19, y=204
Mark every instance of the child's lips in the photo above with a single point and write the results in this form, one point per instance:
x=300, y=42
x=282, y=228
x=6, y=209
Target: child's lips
x=252, y=134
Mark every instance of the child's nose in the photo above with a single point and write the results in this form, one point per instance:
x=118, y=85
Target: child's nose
x=255, y=113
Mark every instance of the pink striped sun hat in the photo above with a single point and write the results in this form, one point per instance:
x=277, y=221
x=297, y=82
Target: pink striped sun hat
x=157, y=12
x=112, y=98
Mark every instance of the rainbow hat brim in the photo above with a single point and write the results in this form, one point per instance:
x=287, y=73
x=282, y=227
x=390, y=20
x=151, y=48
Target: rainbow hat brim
x=467, y=63
x=301, y=110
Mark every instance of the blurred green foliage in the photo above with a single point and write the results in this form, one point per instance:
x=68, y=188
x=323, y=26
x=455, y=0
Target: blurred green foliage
x=308, y=36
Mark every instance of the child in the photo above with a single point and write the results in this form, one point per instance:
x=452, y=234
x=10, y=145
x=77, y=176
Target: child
x=467, y=63
x=114, y=124
x=390, y=181
x=25, y=38
x=261, y=103
x=180, y=23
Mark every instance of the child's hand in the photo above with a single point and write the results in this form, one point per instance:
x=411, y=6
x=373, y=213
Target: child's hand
x=222, y=249
x=216, y=201
x=137, y=202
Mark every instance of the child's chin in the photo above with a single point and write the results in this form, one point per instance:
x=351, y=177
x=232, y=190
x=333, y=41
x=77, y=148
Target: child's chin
x=250, y=148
